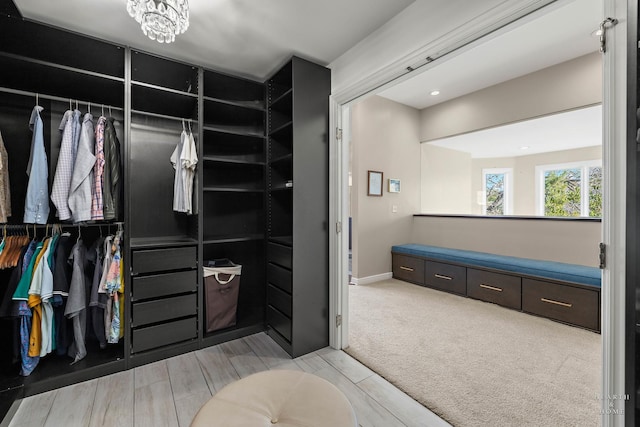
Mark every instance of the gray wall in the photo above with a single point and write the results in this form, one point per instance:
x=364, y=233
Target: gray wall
x=384, y=137
x=446, y=183
x=574, y=242
x=565, y=86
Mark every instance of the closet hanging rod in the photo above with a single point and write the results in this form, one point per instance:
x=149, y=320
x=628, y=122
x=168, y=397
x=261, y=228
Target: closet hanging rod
x=161, y=116
x=52, y=97
x=30, y=226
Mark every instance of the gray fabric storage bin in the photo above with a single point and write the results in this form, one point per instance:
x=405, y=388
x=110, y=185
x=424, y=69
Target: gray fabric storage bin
x=222, y=286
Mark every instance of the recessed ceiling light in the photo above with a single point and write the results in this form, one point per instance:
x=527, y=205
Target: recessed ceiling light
x=526, y=147
x=435, y=92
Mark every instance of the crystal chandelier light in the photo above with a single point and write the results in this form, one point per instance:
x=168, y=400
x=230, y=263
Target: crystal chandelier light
x=160, y=20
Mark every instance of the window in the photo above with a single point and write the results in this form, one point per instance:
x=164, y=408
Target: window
x=569, y=190
x=496, y=192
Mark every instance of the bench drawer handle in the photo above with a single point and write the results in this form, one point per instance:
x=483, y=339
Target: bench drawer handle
x=491, y=288
x=440, y=276
x=402, y=267
x=550, y=301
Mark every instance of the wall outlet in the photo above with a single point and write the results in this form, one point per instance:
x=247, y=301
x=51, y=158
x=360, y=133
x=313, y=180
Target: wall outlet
x=394, y=209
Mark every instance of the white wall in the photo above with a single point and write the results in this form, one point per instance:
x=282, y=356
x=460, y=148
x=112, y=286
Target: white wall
x=384, y=137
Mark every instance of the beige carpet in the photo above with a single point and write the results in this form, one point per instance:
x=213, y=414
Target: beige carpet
x=475, y=363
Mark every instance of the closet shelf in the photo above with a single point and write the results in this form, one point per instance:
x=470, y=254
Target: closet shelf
x=156, y=242
x=232, y=238
x=282, y=240
x=280, y=188
x=61, y=67
x=222, y=159
x=281, y=128
x=232, y=190
x=164, y=89
x=285, y=158
x=236, y=130
x=284, y=96
x=252, y=105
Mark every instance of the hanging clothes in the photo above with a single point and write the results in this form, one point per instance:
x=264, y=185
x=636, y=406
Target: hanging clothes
x=5, y=188
x=178, y=184
x=64, y=168
x=21, y=295
x=112, y=175
x=113, y=286
x=97, y=206
x=61, y=278
x=98, y=301
x=75, y=132
x=184, y=160
x=34, y=302
x=77, y=303
x=36, y=209
x=81, y=180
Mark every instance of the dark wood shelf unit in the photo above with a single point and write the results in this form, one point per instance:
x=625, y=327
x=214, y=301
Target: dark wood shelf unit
x=298, y=286
x=233, y=185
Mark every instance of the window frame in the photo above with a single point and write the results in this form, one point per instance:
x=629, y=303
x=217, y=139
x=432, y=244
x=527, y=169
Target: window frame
x=584, y=167
x=508, y=189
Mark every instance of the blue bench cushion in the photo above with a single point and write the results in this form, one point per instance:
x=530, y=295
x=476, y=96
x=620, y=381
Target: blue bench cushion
x=548, y=269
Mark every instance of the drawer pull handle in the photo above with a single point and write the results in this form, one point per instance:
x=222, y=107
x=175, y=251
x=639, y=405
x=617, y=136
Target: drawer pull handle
x=440, y=276
x=550, y=301
x=491, y=288
x=402, y=267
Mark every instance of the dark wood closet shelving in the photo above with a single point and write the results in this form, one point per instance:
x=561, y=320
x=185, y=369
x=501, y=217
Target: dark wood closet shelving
x=238, y=210
x=297, y=297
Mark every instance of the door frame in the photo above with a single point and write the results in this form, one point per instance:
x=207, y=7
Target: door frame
x=614, y=215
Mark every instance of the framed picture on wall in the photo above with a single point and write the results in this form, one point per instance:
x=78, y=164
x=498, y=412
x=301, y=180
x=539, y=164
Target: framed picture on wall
x=375, y=183
x=394, y=185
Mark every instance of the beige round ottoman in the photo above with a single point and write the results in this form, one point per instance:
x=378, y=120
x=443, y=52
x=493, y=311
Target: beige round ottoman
x=279, y=398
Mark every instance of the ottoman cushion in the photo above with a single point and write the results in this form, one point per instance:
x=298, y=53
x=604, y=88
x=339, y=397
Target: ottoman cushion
x=280, y=398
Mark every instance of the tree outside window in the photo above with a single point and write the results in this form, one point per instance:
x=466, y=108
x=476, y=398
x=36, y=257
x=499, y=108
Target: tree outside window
x=570, y=190
x=497, y=192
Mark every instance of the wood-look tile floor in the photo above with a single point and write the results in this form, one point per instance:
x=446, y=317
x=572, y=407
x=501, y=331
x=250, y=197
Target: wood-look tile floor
x=170, y=392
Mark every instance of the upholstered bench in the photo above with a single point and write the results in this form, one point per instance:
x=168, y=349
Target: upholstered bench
x=280, y=398
x=565, y=292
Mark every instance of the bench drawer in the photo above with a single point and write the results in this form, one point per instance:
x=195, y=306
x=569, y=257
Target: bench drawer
x=278, y=299
x=446, y=277
x=156, y=260
x=568, y=304
x=144, y=313
x=159, y=285
x=501, y=289
x=408, y=268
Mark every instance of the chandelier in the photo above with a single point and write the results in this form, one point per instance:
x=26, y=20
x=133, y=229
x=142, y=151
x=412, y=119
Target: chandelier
x=160, y=20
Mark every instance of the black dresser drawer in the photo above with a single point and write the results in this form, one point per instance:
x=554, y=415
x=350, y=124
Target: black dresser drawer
x=279, y=299
x=279, y=254
x=144, y=313
x=279, y=277
x=569, y=304
x=167, y=333
x=406, y=267
x=166, y=259
x=501, y=289
x=446, y=277
x=159, y=285
x=279, y=322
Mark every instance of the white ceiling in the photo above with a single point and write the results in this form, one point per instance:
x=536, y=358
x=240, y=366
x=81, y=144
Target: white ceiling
x=562, y=131
x=557, y=34
x=245, y=37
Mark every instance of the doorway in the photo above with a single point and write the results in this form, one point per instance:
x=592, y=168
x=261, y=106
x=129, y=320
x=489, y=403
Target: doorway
x=613, y=353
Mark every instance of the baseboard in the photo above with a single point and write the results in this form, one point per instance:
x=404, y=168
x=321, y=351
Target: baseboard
x=371, y=279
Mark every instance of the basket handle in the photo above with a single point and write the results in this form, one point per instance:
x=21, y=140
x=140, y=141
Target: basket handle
x=224, y=282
